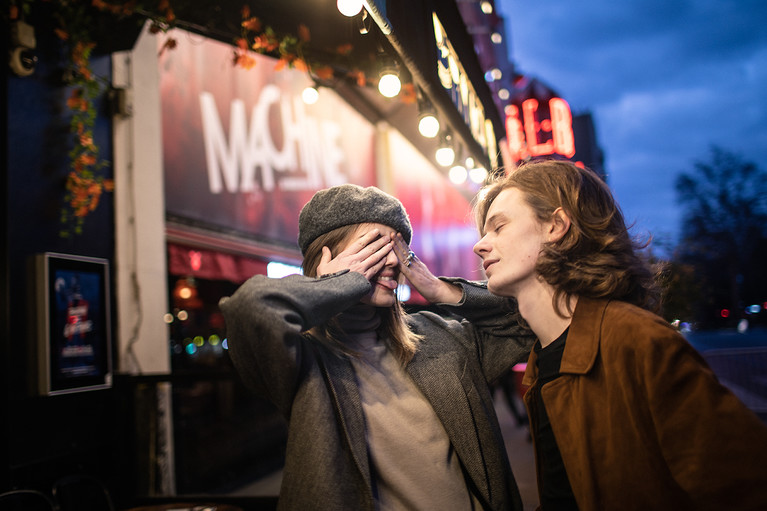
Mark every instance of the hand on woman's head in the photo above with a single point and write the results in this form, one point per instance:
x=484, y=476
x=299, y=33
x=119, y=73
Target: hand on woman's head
x=365, y=254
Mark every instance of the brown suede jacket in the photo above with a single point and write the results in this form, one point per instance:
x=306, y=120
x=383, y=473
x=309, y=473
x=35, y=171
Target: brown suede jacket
x=643, y=423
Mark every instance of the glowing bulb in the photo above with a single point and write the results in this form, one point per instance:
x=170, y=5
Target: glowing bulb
x=349, y=8
x=478, y=175
x=428, y=126
x=496, y=38
x=389, y=85
x=486, y=7
x=457, y=174
x=310, y=95
x=445, y=156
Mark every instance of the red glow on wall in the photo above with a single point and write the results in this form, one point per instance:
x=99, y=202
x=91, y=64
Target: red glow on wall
x=195, y=259
x=537, y=133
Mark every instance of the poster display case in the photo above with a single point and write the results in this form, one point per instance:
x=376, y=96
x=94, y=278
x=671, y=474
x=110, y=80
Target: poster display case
x=72, y=324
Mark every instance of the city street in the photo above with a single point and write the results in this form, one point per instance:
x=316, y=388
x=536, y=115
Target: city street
x=740, y=362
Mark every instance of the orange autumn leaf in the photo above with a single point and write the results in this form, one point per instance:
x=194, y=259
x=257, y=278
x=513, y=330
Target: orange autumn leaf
x=87, y=159
x=252, y=24
x=324, y=73
x=359, y=77
x=13, y=13
x=407, y=94
x=74, y=99
x=280, y=65
x=245, y=11
x=109, y=185
x=86, y=140
x=244, y=61
x=300, y=64
x=265, y=43
x=61, y=34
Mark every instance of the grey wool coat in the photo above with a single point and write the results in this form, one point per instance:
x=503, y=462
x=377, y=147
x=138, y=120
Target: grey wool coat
x=327, y=464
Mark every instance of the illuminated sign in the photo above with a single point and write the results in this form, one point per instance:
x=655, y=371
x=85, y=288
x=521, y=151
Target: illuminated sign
x=310, y=145
x=454, y=79
x=534, y=133
x=242, y=152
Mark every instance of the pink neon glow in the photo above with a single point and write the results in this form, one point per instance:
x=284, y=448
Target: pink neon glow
x=515, y=134
x=532, y=127
x=523, y=134
x=562, y=121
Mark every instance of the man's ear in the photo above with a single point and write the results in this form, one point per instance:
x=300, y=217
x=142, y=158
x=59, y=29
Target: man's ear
x=559, y=225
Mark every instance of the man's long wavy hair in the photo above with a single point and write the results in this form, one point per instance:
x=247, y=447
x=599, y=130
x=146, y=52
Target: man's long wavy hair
x=394, y=328
x=596, y=258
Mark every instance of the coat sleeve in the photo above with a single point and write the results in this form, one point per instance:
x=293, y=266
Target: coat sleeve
x=715, y=447
x=265, y=319
x=501, y=337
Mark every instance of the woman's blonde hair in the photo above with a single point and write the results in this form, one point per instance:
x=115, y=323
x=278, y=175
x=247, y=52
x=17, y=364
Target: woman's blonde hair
x=394, y=328
x=596, y=258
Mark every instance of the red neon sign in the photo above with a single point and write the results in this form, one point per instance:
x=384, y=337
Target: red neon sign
x=532, y=136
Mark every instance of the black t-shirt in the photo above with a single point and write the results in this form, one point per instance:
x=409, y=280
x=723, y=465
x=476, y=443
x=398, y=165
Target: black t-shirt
x=556, y=493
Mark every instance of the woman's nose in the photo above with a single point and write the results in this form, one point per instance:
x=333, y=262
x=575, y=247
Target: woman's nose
x=391, y=259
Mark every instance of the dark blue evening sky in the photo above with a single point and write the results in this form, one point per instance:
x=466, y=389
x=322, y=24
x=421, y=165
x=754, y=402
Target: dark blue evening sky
x=664, y=79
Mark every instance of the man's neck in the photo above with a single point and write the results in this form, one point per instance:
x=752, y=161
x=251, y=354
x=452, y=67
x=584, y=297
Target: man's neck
x=537, y=308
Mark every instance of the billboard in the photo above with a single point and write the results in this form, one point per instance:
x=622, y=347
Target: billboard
x=242, y=152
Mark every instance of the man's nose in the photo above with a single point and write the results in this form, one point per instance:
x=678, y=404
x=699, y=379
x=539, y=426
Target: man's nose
x=480, y=247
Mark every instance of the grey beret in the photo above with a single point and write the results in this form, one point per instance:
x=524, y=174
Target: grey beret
x=350, y=204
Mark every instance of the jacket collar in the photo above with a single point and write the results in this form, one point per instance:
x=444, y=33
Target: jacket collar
x=582, y=346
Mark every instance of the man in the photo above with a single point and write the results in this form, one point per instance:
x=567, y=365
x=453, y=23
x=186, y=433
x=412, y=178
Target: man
x=624, y=413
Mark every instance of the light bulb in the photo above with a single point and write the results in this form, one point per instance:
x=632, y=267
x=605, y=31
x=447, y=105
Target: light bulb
x=389, y=85
x=445, y=156
x=310, y=95
x=478, y=175
x=349, y=8
x=457, y=174
x=428, y=125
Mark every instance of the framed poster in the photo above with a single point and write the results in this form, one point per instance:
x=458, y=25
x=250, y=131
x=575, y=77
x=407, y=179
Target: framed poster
x=73, y=323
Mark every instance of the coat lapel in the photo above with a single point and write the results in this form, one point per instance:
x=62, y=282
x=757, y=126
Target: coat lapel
x=342, y=385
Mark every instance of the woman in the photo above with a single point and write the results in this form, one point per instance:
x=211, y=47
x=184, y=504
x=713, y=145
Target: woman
x=624, y=412
x=385, y=410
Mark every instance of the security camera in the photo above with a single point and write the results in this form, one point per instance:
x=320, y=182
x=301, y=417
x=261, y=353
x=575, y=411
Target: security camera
x=22, y=61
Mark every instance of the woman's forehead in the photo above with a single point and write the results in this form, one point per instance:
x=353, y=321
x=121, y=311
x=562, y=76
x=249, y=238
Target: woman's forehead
x=385, y=230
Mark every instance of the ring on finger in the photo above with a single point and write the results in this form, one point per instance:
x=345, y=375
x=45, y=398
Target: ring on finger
x=409, y=258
